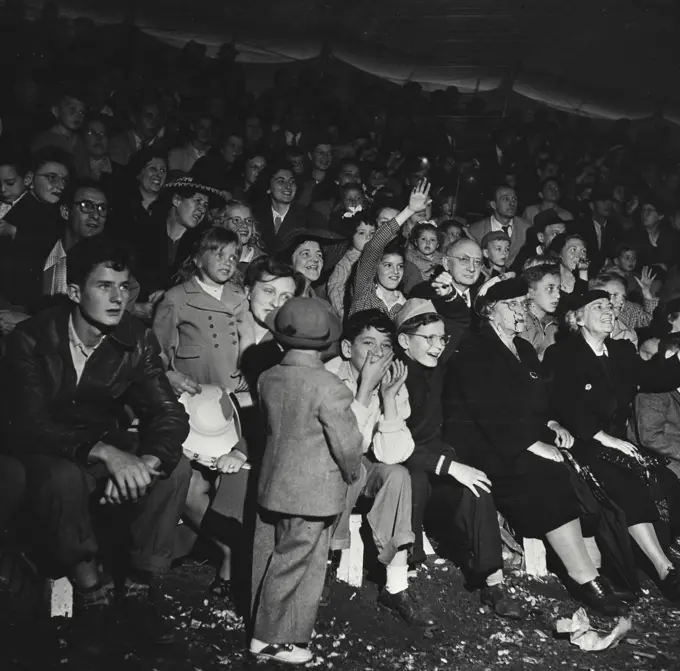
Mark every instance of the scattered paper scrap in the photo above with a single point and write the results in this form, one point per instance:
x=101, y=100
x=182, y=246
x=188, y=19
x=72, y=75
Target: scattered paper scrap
x=582, y=634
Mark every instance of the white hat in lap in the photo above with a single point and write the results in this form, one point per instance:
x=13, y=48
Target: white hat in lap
x=214, y=427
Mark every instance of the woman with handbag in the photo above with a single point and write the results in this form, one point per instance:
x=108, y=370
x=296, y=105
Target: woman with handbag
x=594, y=380
x=497, y=416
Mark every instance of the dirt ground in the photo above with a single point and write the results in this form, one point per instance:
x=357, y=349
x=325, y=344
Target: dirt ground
x=353, y=633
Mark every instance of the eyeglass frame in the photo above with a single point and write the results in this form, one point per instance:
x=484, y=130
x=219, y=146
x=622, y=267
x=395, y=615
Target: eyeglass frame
x=444, y=340
x=52, y=178
x=92, y=207
x=465, y=260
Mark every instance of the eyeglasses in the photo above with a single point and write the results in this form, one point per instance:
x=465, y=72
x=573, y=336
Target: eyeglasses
x=434, y=340
x=467, y=260
x=53, y=178
x=88, y=207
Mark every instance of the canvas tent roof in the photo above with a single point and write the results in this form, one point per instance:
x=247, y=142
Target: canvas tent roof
x=606, y=59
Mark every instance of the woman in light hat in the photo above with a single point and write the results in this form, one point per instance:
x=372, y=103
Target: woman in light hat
x=594, y=382
x=440, y=482
x=497, y=413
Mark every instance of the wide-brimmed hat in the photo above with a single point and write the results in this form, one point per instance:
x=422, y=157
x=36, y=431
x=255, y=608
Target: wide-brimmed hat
x=305, y=323
x=214, y=427
x=190, y=183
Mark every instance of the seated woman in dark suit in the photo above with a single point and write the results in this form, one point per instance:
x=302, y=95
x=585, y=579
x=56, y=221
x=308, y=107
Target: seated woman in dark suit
x=496, y=410
x=594, y=382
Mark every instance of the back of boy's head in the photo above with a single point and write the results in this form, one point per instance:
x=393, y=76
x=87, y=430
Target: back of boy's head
x=92, y=252
x=365, y=319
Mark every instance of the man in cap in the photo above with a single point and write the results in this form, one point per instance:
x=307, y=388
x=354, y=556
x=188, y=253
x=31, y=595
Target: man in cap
x=313, y=452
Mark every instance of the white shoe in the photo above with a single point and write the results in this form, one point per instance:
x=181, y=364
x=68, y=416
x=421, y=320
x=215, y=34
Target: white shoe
x=280, y=652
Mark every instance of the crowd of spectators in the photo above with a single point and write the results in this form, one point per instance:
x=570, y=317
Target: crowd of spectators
x=393, y=295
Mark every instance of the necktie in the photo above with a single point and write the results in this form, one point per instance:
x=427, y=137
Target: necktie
x=278, y=220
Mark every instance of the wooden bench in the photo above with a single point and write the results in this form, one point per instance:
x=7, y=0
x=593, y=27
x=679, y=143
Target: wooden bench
x=351, y=568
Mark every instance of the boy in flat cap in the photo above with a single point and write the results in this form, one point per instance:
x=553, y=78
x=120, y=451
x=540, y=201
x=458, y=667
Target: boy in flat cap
x=313, y=451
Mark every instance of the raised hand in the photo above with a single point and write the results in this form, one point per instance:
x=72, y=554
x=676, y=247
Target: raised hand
x=646, y=280
x=420, y=196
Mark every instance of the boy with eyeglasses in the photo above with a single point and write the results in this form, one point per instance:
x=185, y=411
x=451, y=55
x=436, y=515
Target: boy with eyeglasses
x=369, y=369
x=457, y=497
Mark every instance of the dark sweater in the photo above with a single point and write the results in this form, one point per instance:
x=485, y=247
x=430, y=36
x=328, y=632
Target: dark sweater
x=425, y=386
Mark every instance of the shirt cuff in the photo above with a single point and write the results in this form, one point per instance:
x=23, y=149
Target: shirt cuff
x=391, y=425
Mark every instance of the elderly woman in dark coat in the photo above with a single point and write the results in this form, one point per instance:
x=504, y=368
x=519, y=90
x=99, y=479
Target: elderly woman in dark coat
x=496, y=409
x=594, y=381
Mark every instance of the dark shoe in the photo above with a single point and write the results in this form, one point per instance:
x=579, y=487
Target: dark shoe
x=670, y=586
x=144, y=609
x=221, y=590
x=503, y=605
x=621, y=593
x=92, y=620
x=407, y=608
x=597, y=595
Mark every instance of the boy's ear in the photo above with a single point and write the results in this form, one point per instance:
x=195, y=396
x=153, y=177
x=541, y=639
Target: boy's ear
x=346, y=349
x=485, y=253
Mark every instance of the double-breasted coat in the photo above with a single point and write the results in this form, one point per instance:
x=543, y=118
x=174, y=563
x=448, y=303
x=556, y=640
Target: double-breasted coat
x=199, y=334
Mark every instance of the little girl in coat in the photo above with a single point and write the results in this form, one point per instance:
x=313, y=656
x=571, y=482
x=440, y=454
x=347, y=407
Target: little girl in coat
x=196, y=326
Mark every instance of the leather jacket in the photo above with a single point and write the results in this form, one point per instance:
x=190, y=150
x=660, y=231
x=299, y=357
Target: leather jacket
x=47, y=411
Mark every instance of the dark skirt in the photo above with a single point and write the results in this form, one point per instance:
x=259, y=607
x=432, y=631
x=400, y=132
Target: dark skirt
x=629, y=491
x=537, y=500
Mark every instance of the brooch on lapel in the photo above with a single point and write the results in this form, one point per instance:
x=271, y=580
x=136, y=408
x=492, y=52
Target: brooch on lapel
x=533, y=375
x=589, y=387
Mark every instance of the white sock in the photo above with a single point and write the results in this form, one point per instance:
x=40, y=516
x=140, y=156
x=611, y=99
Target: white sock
x=593, y=551
x=496, y=578
x=397, y=573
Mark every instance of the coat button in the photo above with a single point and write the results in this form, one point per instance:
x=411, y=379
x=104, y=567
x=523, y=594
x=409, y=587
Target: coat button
x=216, y=346
x=212, y=326
x=210, y=317
x=214, y=335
